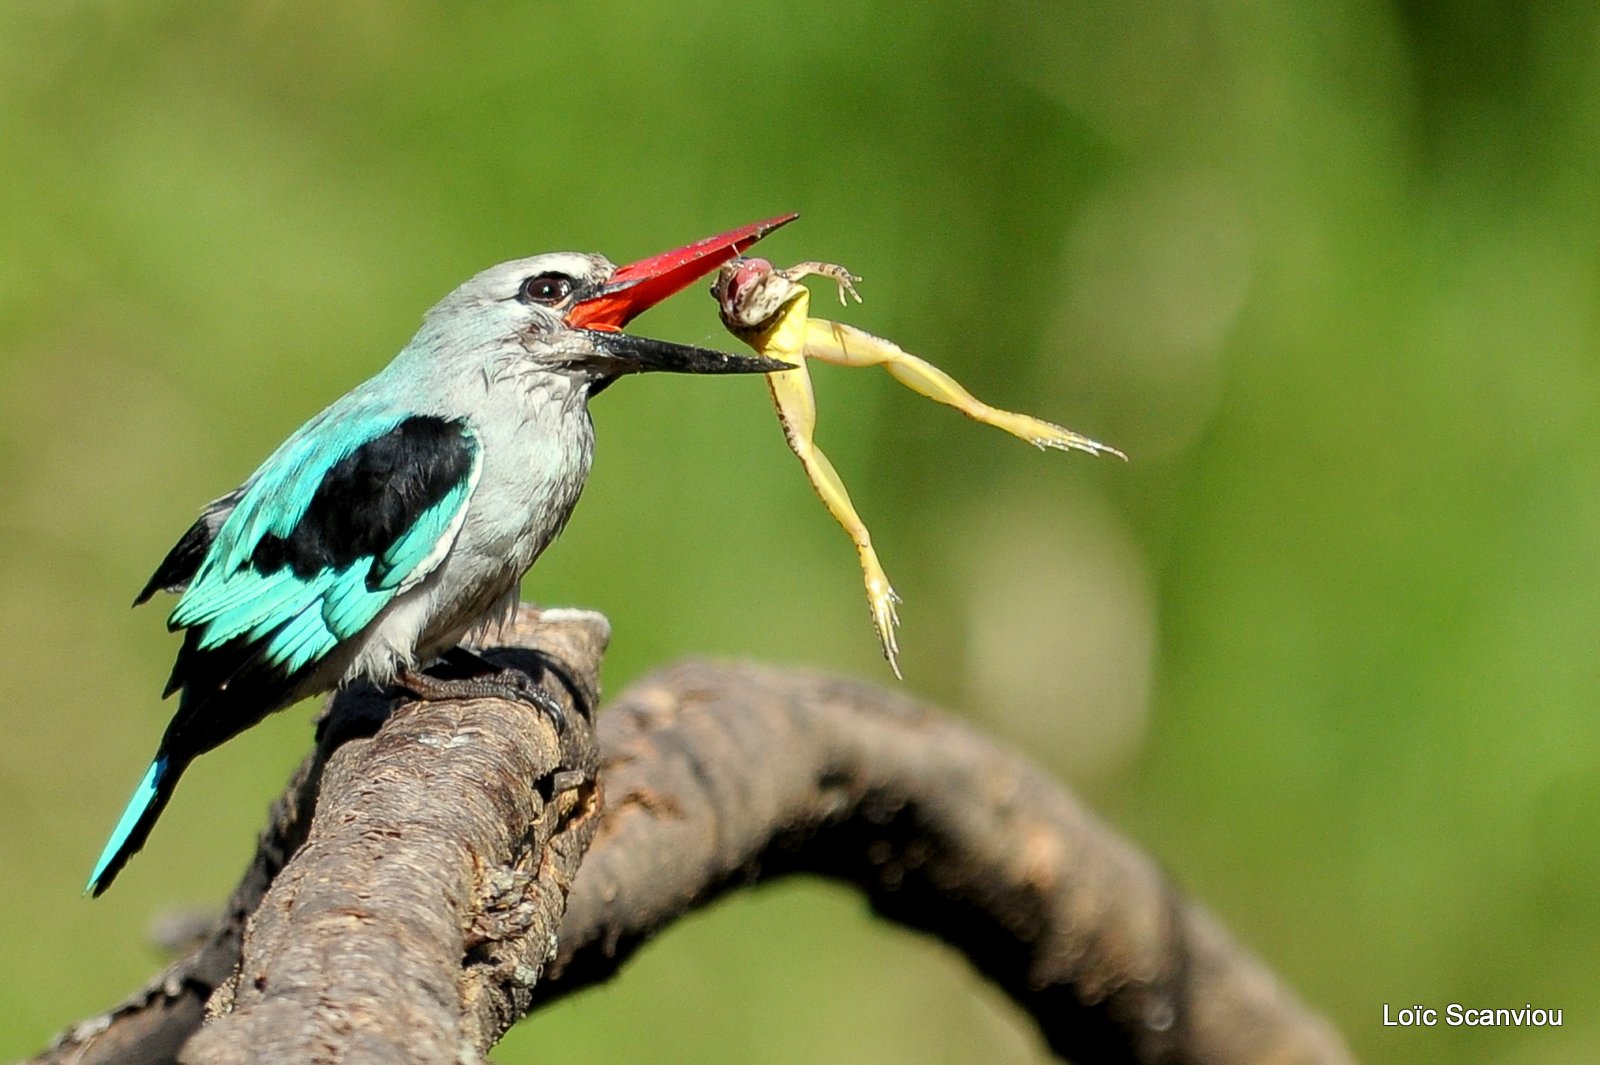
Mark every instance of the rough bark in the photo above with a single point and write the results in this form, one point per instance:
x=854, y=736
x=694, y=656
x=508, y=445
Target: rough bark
x=425, y=931
x=721, y=775
x=421, y=901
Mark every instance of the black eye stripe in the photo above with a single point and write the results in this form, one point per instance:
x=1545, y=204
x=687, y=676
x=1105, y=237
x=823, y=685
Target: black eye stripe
x=548, y=289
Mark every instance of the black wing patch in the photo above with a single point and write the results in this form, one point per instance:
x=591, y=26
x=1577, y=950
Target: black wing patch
x=365, y=502
x=225, y=689
x=181, y=563
x=372, y=496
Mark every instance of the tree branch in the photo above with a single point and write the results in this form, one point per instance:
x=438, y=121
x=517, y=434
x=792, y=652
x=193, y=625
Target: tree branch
x=421, y=902
x=720, y=775
x=423, y=935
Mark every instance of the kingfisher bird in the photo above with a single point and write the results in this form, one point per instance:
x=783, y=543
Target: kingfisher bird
x=401, y=519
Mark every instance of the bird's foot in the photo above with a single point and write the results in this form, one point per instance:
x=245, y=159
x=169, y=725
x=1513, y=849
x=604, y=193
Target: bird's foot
x=469, y=663
x=513, y=685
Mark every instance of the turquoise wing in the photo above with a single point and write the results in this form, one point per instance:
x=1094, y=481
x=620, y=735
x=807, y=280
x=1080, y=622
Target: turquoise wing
x=344, y=516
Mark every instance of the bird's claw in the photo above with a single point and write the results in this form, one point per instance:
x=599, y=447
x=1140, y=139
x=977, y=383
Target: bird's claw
x=523, y=689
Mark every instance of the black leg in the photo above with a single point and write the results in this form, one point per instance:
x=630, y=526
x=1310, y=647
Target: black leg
x=510, y=684
x=460, y=661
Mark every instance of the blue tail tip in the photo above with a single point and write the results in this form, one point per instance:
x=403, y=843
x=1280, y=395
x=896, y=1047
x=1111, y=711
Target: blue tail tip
x=143, y=796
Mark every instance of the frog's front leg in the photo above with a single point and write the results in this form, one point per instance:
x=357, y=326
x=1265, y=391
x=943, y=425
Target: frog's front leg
x=844, y=279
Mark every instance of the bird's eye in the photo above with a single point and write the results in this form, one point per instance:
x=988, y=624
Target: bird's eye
x=549, y=289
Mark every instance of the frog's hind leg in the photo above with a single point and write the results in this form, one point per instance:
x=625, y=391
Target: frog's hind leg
x=845, y=345
x=797, y=412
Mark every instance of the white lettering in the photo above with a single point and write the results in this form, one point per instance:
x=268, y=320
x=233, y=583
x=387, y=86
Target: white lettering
x=1456, y=1015
x=1417, y=1016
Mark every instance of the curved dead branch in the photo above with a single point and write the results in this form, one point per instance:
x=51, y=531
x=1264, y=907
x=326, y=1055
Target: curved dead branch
x=414, y=924
x=719, y=775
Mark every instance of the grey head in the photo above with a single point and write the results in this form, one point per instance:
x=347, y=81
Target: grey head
x=557, y=313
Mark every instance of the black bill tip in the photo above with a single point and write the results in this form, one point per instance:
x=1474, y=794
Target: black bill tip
x=636, y=354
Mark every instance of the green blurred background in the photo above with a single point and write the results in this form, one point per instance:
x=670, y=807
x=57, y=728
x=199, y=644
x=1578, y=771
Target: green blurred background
x=1326, y=270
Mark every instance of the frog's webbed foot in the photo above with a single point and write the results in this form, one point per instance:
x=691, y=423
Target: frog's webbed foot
x=881, y=597
x=1045, y=435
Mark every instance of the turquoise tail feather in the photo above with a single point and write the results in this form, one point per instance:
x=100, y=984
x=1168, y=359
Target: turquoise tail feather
x=137, y=819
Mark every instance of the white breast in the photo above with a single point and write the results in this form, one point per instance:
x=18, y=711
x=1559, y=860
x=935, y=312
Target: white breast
x=536, y=447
